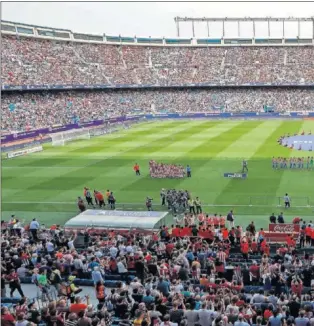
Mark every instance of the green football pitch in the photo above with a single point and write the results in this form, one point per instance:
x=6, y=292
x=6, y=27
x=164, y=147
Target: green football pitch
x=46, y=184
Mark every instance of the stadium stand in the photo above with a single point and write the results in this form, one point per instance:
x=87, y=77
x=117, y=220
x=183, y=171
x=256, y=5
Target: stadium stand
x=35, y=110
x=34, y=61
x=230, y=274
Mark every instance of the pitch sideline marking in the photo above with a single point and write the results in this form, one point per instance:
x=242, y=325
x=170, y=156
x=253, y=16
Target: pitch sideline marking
x=138, y=204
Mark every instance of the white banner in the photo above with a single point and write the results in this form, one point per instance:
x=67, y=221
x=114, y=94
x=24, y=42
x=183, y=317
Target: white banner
x=25, y=151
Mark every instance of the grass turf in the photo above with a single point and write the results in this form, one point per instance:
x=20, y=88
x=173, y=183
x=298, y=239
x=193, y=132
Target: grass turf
x=46, y=184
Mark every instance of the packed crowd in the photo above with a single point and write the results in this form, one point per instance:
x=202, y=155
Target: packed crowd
x=25, y=111
x=174, y=277
x=164, y=170
x=34, y=61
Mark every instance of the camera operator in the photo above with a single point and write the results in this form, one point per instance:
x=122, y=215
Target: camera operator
x=149, y=203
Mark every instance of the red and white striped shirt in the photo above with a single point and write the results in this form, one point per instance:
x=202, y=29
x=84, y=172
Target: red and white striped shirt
x=222, y=256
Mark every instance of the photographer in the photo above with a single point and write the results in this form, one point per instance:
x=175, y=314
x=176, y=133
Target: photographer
x=149, y=203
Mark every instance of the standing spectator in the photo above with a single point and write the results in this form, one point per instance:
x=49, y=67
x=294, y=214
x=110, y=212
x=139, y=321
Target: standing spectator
x=14, y=283
x=140, y=269
x=302, y=320
x=122, y=269
x=294, y=307
x=6, y=317
x=241, y=321
x=100, y=292
x=21, y=320
x=280, y=218
x=97, y=276
x=33, y=227
x=163, y=286
x=230, y=219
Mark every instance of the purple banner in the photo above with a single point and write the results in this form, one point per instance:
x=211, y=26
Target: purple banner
x=58, y=128
x=95, y=123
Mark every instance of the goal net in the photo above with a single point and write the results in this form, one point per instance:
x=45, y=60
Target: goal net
x=60, y=138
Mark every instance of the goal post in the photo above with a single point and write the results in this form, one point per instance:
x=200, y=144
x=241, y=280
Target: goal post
x=60, y=138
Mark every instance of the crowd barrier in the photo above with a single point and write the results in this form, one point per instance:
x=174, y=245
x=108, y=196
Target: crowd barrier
x=209, y=115
x=113, y=284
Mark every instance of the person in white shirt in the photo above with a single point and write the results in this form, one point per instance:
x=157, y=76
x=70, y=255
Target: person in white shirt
x=129, y=249
x=178, y=287
x=122, y=270
x=113, y=252
x=98, y=253
x=135, y=284
x=206, y=316
x=71, y=242
x=96, y=275
x=33, y=227
x=50, y=247
x=232, y=309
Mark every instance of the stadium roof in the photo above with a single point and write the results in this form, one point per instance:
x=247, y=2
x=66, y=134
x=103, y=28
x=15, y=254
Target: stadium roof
x=112, y=219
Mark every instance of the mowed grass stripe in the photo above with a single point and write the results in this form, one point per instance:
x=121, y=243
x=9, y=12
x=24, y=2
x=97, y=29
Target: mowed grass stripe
x=178, y=157
x=32, y=180
x=191, y=143
x=121, y=176
x=234, y=189
x=205, y=181
x=42, y=188
x=94, y=146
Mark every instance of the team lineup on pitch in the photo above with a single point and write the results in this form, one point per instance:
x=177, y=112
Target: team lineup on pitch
x=44, y=183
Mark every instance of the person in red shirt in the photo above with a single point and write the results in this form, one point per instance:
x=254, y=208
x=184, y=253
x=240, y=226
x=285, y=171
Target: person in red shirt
x=297, y=220
x=175, y=232
x=136, y=168
x=216, y=220
x=254, y=247
x=222, y=221
x=14, y=283
x=297, y=286
x=209, y=220
x=254, y=273
x=263, y=245
x=312, y=238
x=267, y=250
x=79, y=305
x=268, y=312
x=225, y=234
x=282, y=250
x=245, y=249
x=100, y=198
x=185, y=232
x=308, y=234
x=6, y=316
x=169, y=249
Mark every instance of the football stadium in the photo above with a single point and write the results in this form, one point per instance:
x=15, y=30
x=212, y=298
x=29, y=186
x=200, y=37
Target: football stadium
x=174, y=165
